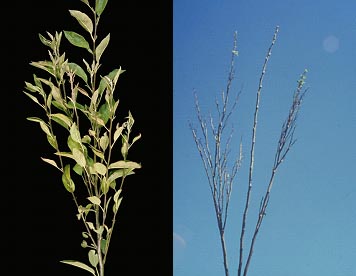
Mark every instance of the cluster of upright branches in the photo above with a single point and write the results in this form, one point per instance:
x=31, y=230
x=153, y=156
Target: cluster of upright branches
x=79, y=119
x=214, y=148
x=219, y=171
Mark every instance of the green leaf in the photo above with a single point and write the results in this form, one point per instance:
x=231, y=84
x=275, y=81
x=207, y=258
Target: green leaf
x=78, y=71
x=56, y=93
x=78, y=169
x=80, y=265
x=104, y=83
x=103, y=246
x=67, y=181
x=35, y=119
x=104, y=112
x=75, y=134
x=135, y=139
x=50, y=161
x=119, y=173
x=79, y=157
x=100, y=6
x=101, y=47
x=86, y=2
x=95, y=200
x=91, y=225
x=104, y=141
x=52, y=141
x=100, y=168
x=62, y=119
x=98, y=153
x=93, y=258
x=117, y=201
x=84, y=244
x=118, y=132
x=45, y=128
x=44, y=40
x=31, y=87
x=83, y=20
x=77, y=40
x=124, y=165
x=44, y=65
x=33, y=98
x=117, y=74
x=116, y=196
x=104, y=185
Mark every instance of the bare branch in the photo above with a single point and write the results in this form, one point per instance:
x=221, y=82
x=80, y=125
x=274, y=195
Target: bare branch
x=285, y=142
x=252, y=151
x=216, y=157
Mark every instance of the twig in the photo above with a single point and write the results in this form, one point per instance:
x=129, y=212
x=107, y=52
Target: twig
x=252, y=152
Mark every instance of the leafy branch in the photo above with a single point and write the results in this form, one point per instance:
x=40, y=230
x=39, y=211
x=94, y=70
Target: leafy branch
x=81, y=105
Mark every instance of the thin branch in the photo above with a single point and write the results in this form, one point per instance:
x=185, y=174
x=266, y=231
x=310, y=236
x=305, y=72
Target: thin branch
x=252, y=152
x=285, y=142
x=216, y=158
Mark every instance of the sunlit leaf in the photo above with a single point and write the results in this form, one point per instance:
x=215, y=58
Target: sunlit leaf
x=91, y=225
x=86, y=2
x=116, y=196
x=44, y=40
x=101, y=47
x=94, y=199
x=117, y=204
x=52, y=141
x=44, y=65
x=103, y=246
x=98, y=153
x=124, y=165
x=31, y=87
x=62, y=119
x=116, y=174
x=104, y=185
x=50, y=161
x=104, y=112
x=77, y=40
x=93, y=258
x=66, y=179
x=78, y=169
x=118, y=132
x=33, y=98
x=78, y=71
x=104, y=141
x=83, y=20
x=45, y=128
x=84, y=244
x=72, y=144
x=79, y=157
x=136, y=138
x=74, y=133
x=100, y=6
x=80, y=265
x=117, y=74
x=100, y=168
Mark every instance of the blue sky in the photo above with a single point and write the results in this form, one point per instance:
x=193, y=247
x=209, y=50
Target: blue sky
x=311, y=218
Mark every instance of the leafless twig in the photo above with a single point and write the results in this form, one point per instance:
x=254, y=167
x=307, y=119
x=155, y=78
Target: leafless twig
x=285, y=142
x=219, y=171
x=252, y=152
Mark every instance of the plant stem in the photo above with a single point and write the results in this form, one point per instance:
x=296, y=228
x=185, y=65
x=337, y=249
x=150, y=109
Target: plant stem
x=252, y=153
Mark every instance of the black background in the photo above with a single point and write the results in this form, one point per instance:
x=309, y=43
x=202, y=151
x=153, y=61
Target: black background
x=38, y=222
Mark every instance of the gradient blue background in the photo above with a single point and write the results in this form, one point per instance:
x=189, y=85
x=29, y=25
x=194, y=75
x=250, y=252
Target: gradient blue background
x=310, y=227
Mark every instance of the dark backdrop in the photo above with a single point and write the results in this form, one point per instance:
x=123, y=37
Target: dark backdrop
x=38, y=222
